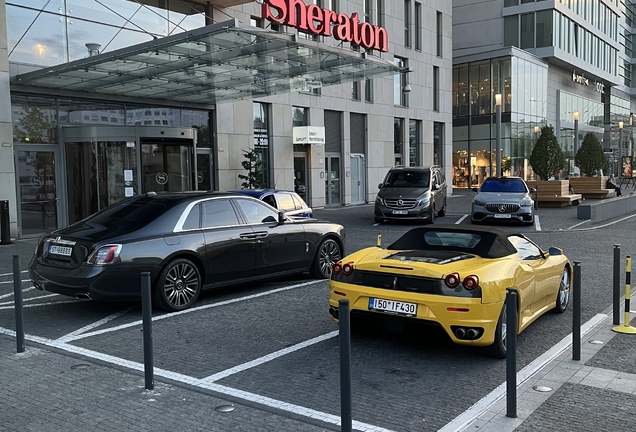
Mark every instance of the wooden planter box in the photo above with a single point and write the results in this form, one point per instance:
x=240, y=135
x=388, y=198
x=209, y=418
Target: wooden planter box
x=554, y=193
x=591, y=187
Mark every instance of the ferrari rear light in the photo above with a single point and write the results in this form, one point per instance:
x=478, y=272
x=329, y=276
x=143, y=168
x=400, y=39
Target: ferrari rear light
x=452, y=280
x=337, y=268
x=104, y=255
x=471, y=282
x=347, y=269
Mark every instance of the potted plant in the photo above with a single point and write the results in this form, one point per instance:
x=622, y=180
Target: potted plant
x=252, y=165
x=591, y=160
x=547, y=160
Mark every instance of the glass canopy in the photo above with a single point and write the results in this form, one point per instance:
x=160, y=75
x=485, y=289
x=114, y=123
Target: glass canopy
x=216, y=63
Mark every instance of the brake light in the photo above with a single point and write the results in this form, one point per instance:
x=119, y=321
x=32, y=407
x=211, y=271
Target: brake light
x=471, y=282
x=337, y=268
x=347, y=269
x=105, y=255
x=452, y=280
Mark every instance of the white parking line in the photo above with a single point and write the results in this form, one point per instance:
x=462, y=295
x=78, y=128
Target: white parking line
x=11, y=293
x=268, y=357
x=10, y=282
x=29, y=299
x=461, y=219
x=102, y=321
x=11, y=274
x=191, y=310
x=580, y=223
x=229, y=391
x=42, y=304
x=472, y=413
x=537, y=223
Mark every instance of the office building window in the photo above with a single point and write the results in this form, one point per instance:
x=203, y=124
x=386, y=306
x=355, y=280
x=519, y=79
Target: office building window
x=511, y=31
x=355, y=90
x=379, y=13
x=439, y=34
x=407, y=23
x=366, y=11
x=415, y=140
x=435, y=88
x=368, y=90
x=399, y=81
x=438, y=144
x=418, y=26
x=300, y=116
x=398, y=140
x=527, y=31
x=256, y=22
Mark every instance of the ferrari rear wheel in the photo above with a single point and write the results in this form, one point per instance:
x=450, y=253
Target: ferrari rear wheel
x=563, y=296
x=498, y=347
x=178, y=286
x=328, y=254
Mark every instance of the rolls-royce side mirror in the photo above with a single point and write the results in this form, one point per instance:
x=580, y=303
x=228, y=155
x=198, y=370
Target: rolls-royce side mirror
x=380, y=186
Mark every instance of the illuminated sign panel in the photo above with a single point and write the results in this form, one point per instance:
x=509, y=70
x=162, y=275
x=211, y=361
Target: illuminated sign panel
x=324, y=22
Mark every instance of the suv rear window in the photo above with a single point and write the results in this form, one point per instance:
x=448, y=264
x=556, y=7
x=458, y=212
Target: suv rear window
x=504, y=185
x=408, y=179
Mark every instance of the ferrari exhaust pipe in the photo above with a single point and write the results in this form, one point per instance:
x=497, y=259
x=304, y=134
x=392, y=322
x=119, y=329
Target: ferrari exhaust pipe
x=472, y=333
x=460, y=333
x=334, y=312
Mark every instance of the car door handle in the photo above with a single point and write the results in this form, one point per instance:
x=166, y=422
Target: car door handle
x=261, y=234
x=247, y=236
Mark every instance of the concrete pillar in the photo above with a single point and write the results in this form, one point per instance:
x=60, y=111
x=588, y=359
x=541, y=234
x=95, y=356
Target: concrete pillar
x=7, y=166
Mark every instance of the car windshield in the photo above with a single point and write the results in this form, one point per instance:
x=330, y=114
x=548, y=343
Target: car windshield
x=503, y=185
x=408, y=179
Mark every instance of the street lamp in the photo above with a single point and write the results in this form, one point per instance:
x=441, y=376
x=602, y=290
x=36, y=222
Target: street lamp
x=620, y=149
x=498, y=133
x=576, y=141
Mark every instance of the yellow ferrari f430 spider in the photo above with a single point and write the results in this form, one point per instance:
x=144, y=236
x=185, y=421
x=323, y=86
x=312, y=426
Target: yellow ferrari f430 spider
x=457, y=278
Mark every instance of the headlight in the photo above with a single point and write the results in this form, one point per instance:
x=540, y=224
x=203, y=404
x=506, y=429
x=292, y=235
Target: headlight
x=525, y=203
x=379, y=200
x=422, y=202
x=479, y=203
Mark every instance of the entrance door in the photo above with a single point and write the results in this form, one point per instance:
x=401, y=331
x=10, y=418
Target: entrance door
x=38, y=197
x=358, y=185
x=301, y=187
x=167, y=166
x=98, y=174
x=332, y=181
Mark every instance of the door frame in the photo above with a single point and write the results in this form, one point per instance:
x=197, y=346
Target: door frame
x=328, y=157
x=59, y=208
x=362, y=188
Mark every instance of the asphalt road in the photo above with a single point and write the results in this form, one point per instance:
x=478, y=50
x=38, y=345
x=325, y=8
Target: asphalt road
x=273, y=344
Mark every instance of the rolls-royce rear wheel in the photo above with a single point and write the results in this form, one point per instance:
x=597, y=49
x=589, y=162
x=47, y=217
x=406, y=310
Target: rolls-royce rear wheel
x=178, y=285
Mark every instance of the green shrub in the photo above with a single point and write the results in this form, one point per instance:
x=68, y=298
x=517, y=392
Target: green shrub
x=547, y=156
x=590, y=157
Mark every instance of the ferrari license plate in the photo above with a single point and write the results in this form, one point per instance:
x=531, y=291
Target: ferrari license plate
x=392, y=306
x=61, y=250
x=399, y=212
x=502, y=216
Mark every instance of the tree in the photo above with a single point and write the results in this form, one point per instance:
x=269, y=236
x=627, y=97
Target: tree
x=33, y=127
x=590, y=157
x=547, y=156
x=252, y=165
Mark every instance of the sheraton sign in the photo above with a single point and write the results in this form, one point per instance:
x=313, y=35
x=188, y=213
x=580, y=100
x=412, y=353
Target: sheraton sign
x=324, y=22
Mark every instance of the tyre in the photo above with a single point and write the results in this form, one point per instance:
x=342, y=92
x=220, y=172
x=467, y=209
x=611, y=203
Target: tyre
x=329, y=253
x=432, y=219
x=563, y=297
x=498, y=347
x=378, y=220
x=178, y=286
x=442, y=211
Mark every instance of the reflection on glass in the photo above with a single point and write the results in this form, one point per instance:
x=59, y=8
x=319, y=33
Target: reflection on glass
x=204, y=177
x=332, y=181
x=166, y=167
x=33, y=120
x=300, y=177
x=38, y=197
x=35, y=38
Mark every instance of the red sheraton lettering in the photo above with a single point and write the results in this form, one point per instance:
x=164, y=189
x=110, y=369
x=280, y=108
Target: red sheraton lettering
x=324, y=22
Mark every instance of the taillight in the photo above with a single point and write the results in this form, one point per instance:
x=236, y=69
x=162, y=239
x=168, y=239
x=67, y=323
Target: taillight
x=347, y=269
x=471, y=282
x=337, y=268
x=452, y=280
x=105, y=255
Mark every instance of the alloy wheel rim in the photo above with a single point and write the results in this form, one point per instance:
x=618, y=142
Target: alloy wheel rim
x=181, y=285
x=564, y=289
x=329, y=254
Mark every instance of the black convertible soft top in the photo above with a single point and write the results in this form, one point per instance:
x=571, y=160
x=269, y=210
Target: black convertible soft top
x=493, y=242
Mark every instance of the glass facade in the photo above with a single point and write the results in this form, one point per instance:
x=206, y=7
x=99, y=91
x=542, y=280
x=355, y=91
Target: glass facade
x=523, y=86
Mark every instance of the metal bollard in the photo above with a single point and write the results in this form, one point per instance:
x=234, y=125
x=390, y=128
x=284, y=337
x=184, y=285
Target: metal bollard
x=626, y=327
x=511, y=352
x=17, y=294
x=576, y=313
x=536, y=198
x=617, y=285
x=344, y=318
x=5, y=234
x=146, y=311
